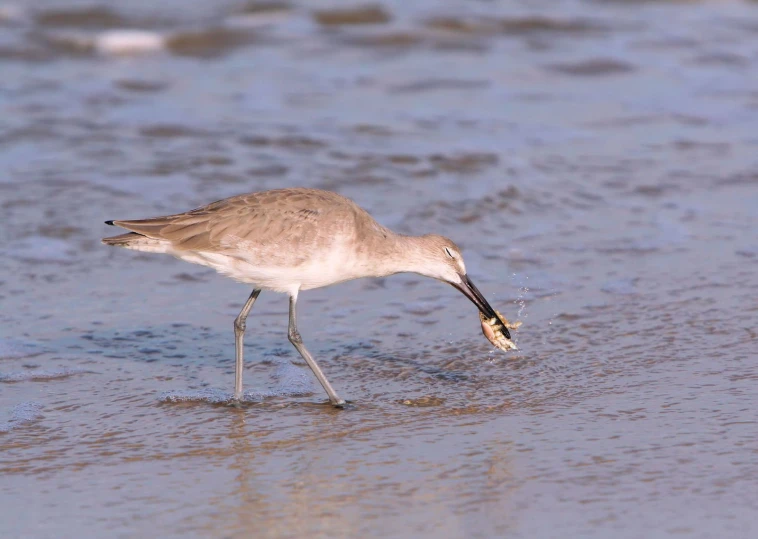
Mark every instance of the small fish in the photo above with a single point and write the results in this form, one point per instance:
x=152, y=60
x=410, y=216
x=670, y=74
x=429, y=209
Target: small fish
x=492, y=328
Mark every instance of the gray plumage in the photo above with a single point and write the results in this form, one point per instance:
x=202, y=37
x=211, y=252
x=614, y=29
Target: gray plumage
x=287, y=240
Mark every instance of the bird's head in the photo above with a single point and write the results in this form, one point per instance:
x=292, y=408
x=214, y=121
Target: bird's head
x=442, y=260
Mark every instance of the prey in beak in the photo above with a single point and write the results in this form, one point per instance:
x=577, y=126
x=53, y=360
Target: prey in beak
x=476, y=297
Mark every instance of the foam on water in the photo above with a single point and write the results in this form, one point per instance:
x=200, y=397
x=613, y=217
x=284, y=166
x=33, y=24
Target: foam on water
x=292, y=380
x=115, y=42
x=126, y=42
x=210, y=395
x=20, y=414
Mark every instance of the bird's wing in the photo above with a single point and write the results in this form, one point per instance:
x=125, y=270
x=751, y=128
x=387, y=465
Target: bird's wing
x=258, y=223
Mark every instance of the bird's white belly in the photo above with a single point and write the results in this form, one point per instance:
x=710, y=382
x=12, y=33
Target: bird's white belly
x=334, y=267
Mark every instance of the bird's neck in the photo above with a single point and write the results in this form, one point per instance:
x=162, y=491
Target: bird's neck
x=397, y=254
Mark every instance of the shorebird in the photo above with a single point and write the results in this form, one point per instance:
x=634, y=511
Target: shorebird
x=288, y=240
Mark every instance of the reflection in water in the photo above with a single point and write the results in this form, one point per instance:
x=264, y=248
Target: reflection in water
x=331, y=493
x=244, y=503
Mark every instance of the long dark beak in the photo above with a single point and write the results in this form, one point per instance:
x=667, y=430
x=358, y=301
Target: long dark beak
x=476, y=297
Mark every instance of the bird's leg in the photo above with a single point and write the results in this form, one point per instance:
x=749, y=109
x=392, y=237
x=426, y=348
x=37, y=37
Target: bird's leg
x=239, y=333
x=297, y=341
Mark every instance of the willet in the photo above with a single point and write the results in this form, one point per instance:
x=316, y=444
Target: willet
x=288, y=240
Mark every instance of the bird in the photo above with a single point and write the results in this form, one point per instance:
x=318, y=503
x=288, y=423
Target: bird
x=294, y=239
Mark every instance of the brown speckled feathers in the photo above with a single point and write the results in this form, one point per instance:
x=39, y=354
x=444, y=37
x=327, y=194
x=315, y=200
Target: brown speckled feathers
x=265, y=221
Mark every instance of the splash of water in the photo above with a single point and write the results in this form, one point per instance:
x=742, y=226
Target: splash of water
x=521, y=302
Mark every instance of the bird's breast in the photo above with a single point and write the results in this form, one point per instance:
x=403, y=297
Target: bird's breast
x=328, y=267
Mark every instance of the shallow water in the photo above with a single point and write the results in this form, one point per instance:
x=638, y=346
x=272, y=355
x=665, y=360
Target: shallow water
x=595, y=160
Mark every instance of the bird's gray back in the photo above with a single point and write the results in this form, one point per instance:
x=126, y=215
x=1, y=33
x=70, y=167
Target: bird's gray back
x=286, y=226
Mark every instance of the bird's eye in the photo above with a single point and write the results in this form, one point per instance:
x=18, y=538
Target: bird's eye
x=450, y=253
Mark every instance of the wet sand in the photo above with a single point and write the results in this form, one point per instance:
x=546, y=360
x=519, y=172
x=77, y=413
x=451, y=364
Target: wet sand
x=596, y=161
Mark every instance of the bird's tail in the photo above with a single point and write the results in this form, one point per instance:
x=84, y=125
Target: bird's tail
x=138, y=242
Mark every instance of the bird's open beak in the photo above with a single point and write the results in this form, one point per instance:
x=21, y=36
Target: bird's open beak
x=476, y=297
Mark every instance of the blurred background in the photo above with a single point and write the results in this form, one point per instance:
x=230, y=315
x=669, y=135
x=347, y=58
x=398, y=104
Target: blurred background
x=597, y=162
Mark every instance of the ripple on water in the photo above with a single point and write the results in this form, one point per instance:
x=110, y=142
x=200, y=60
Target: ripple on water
x=39, y=375
x=368, y=14
x=15, y=349
x=42, y=249
x=748, y=252
x=516, y=25
x=87, y=17
x=290, y=381
x=593, y=67
x=620, y=286
x=210, y=42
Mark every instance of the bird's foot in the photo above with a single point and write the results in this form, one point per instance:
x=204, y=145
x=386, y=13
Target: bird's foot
x=339, y=403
